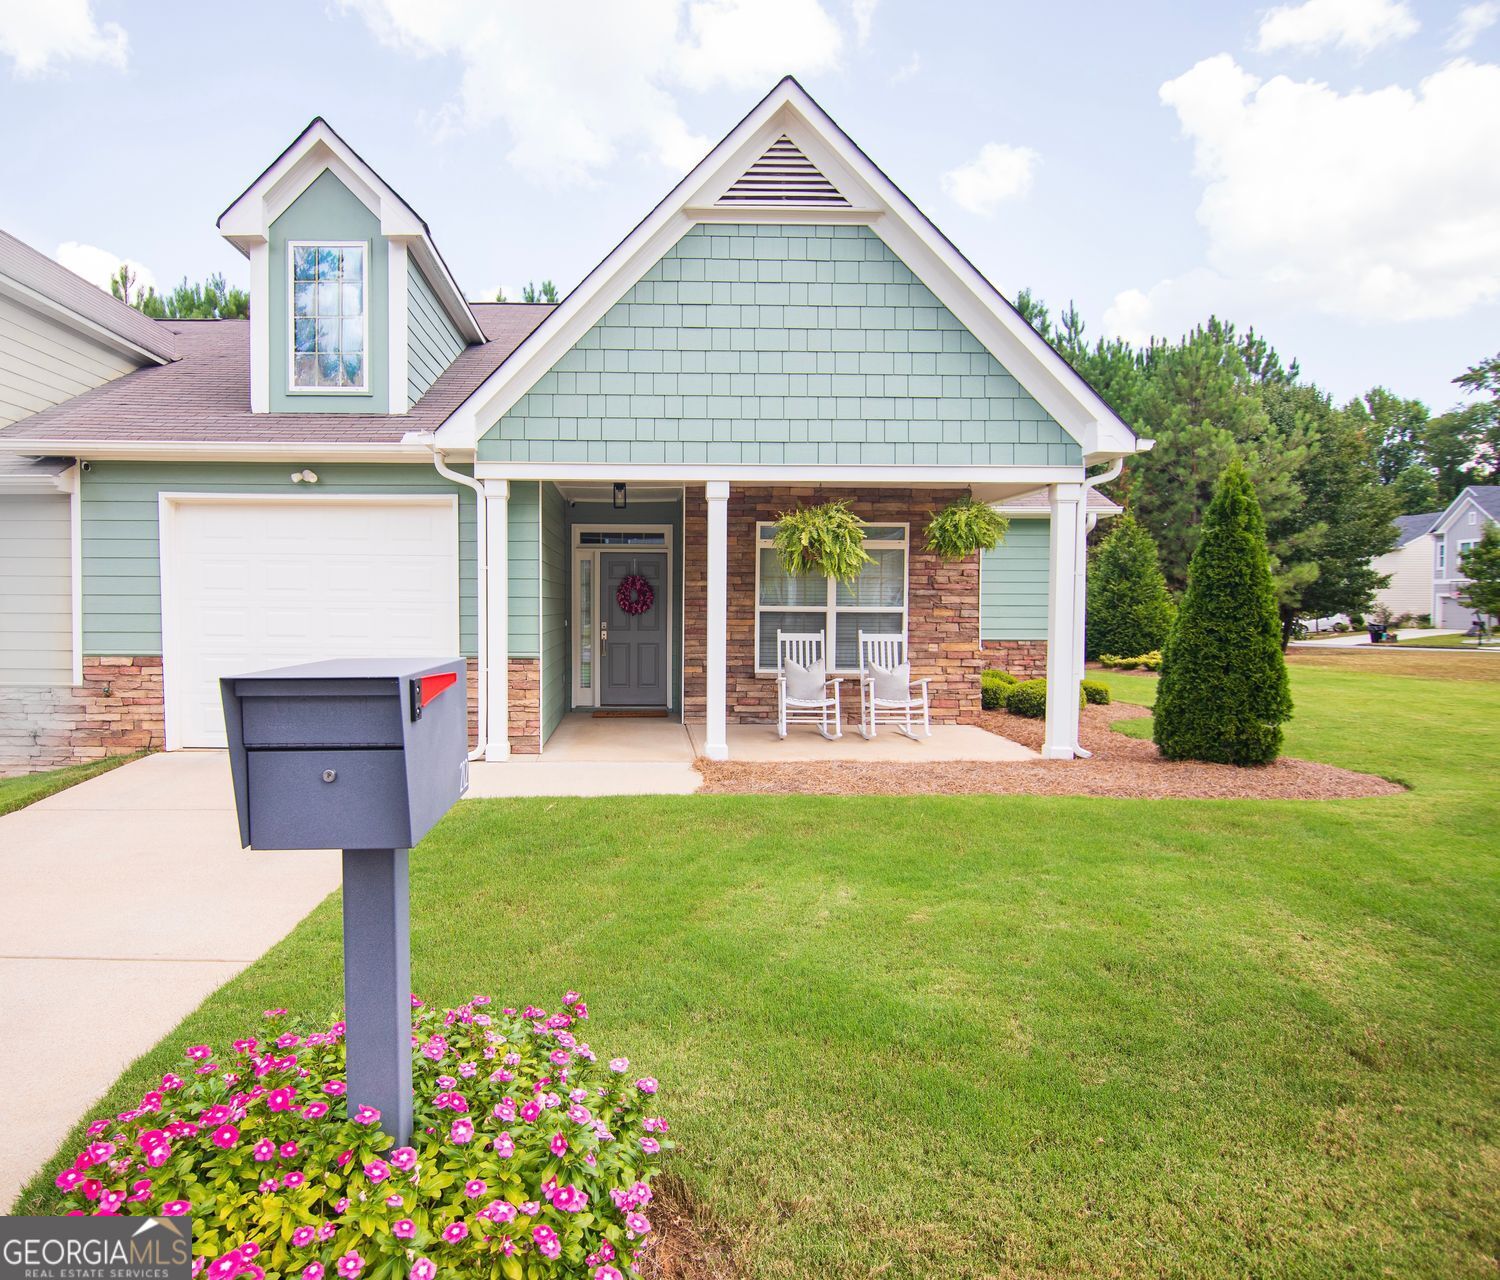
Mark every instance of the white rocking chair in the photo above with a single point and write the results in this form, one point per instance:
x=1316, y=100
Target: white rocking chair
x=879, y=702
x=811, y=704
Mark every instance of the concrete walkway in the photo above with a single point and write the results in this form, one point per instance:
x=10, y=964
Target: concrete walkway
x=128, y=901
x=1361, y=639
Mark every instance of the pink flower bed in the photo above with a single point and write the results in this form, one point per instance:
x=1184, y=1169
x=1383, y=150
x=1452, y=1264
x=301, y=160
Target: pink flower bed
x=529, y=1157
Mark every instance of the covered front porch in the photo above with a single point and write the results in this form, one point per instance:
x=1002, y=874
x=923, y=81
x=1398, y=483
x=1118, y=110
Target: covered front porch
x=637, y=619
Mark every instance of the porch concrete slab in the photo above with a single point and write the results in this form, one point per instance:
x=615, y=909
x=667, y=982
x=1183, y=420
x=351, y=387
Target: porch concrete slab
x=542, y=776
x=618, y=740
x=758, y=743
x=130, y=901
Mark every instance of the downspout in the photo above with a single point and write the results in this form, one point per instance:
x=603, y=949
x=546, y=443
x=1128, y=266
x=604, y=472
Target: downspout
x=481, y=586
x=1086, y=522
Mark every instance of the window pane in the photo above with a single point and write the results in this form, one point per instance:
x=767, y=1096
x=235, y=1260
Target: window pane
x=328, y=264
x=779, y=587
x=884, y=533
x=586, y=623
x=306, y=332
x=353, y=336
x=327, y=303
x=354, y=371
x=765, y=657
x=304, y=262
x=881, y=585
x=353, y=304
x=328, y=370
x=847, y=628
x=354, y=265
x=306, y=371
x=302, y=298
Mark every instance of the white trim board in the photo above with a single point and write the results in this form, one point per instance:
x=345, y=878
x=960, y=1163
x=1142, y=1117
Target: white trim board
x=878, y=203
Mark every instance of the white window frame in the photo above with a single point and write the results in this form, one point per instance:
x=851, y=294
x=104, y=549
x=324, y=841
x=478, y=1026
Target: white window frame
x=1464, y=544
x=831, y=608
x=1442, y=555
x=578, y=552
x=292, y=389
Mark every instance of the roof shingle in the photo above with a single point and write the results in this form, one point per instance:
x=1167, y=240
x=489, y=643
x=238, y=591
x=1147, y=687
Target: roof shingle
x=204, y=396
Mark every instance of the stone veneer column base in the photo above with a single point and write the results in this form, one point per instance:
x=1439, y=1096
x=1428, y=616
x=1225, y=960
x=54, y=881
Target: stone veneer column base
x=116, y=710
x=525, y=706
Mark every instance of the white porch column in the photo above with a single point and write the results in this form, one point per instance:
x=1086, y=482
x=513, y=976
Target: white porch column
x=497, y=621
x=1062, y=618
x=716, y=738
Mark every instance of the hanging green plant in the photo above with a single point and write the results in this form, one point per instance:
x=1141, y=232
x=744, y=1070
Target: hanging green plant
x=964, y=527
x=827, y=540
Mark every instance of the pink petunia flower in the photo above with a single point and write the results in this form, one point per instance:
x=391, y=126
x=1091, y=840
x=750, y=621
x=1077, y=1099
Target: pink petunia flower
x=650, y=1145
x=198, y=1052
x=404, y=1158
x=226, y=1136
x=313, y=1271
x=403, y=1228
x=475, y=1187
x=176, y=1208
x=546, y=1241
x=377, y=1170
x=558, y=1145
x=606, y=1272
x=281, y=1099
x=637, y=1222
x=334, y=1088
x=570, y=1199
x=505, y=1146
x=263, y=1150
x=646, y=1084
x=365, y=1114
x=619, y=1065
x=461, y=1131
x=304, y=1236
x=350, y=1265
x=456, y=1231
x=423, y=1269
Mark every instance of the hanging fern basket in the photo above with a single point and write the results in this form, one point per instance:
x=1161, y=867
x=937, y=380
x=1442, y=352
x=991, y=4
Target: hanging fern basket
x=964, y=527
x=827, y=540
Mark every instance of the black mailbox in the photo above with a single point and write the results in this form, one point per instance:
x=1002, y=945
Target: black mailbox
x=363, y=753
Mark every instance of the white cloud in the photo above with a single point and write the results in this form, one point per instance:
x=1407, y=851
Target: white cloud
x=1473, y=20
x=863, y=12
x=35, y=34
x=98, y=266
x=908, y=69
x=577, y=90
x=1359, y=25
x=1369, y=205
x=1000, y=172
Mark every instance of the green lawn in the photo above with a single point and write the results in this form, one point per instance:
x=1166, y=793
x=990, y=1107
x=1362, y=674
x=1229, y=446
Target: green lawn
x=1459, y=641
x=17, y=793
x=1004, y=1037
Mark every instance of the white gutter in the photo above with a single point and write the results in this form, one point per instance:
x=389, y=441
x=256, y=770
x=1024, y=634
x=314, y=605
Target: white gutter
x=1086, y=522
x=481, y=586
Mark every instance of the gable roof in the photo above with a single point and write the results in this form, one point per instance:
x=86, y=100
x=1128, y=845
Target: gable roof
x=871, y=199
x=204, y=399
x=35, y=280
x=1484, y=496
x=319, y=149
x=1409, y=527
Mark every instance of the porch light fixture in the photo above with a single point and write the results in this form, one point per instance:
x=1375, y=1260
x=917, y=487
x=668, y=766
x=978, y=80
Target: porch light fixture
x=304, y=477
x=619, y=500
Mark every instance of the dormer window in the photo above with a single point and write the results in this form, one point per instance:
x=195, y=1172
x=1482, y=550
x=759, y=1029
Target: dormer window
x=328, y=316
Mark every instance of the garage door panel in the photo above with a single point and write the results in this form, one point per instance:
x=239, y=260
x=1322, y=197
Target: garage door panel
x=264, y=584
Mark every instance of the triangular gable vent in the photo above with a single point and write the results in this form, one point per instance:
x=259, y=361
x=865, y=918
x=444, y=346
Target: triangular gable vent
x=783, y=175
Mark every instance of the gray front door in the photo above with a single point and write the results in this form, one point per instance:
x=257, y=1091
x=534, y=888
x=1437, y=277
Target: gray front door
x=633, y=646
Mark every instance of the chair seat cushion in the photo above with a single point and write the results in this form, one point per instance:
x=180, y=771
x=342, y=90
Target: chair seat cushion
x=805, y=684
x=891, y=684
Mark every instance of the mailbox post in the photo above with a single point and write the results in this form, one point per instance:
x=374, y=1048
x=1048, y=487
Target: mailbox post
x=363, y=755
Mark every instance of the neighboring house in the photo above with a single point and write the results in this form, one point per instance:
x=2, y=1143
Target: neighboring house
x=370, y=464
x=1457, y=529
x=1409, y=564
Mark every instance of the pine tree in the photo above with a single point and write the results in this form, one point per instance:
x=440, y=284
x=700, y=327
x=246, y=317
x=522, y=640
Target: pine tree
x=1129, y=612
x=1223, y=692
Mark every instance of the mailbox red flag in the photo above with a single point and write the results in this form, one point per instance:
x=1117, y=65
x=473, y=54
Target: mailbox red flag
x=431, y=686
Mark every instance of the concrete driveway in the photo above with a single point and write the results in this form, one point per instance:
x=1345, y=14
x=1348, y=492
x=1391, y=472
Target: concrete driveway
x=128, y=900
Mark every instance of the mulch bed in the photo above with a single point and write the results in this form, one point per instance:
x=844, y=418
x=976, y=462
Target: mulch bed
x=681, y=1248
x=1120, y=766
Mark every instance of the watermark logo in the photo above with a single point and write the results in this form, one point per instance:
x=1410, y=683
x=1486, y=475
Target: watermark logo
x=90, y=1248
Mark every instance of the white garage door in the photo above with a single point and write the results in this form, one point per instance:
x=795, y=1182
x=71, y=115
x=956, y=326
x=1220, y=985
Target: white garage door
x=252, y=584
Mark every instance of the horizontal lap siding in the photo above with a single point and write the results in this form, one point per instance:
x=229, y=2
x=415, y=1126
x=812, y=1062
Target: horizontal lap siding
x=432, y=340
x=43, y=363
x=36, y=590
x=524, y=569
x=779, y=344
x=1013, y=584
x=121, y=550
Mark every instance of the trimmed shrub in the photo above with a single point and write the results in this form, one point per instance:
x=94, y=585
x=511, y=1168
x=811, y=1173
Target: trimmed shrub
x=992, y=688
x=528, y=1156
x=1223, y=693
x=1096, y=693
x=1145, y=662
x=1029, y=699
x=1129, y=609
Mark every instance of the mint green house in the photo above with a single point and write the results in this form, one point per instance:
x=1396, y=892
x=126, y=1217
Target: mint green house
x=577, y=497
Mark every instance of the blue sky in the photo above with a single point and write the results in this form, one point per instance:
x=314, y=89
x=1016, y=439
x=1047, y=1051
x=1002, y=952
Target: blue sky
x=1322, y=170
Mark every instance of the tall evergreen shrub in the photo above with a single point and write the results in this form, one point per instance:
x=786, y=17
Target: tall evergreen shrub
x=1130, y=612
x=1223, y=692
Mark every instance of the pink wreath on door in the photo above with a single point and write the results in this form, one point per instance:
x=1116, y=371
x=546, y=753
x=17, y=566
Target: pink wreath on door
x=634, y=595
